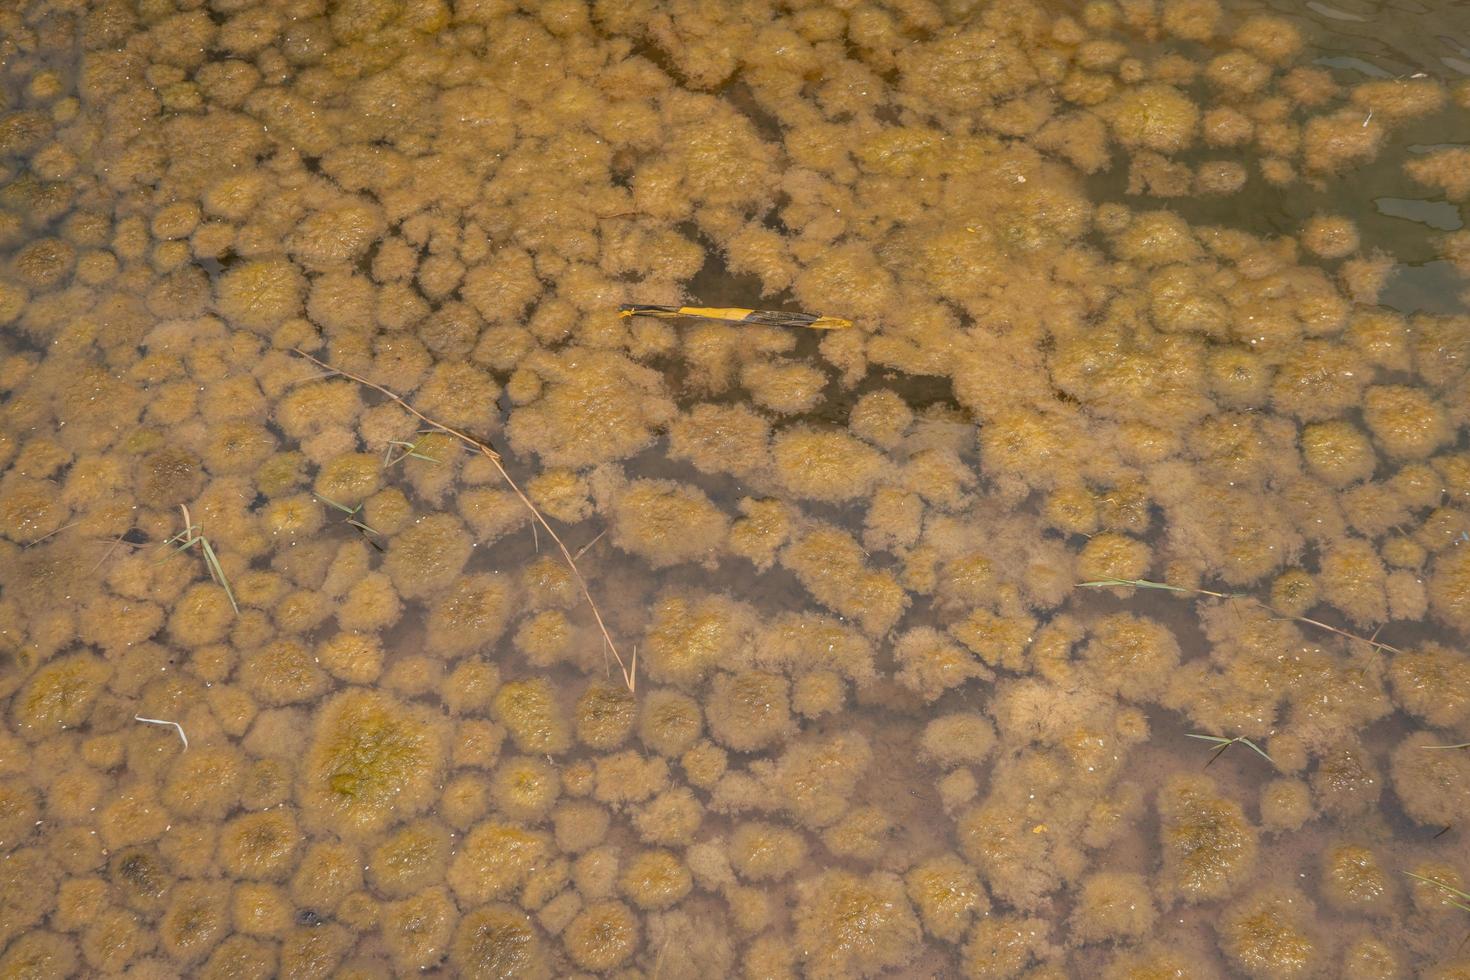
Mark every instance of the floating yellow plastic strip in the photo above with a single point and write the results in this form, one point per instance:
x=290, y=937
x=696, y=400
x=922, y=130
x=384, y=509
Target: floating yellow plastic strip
x=769, y=318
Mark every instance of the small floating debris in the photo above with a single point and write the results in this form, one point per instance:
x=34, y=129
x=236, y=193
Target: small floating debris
x=176, y=726
x=767, y=318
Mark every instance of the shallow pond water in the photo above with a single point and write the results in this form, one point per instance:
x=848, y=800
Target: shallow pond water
x=376, y=600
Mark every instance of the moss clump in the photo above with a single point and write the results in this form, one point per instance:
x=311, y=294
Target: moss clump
x=495, y=859
x=690, y=635
x=371, y=604
x=669, y=722
x=328, y=872
x=855, y=926
x=140, y=878
x=1353, y=880
x=525, y=788
x=60, y=695
x=40, y=954
x=498, y=941
x=169, y=477
x=579, y=825
x=627, y=777
x=749, y=710
x=824, y=465
x=471, y=615
x=813, y=780
x=671, y=818
x=201, y=615
x=1286, y=804
x=240, y=956
x=260, y=846
x=948, y=895
x=354, y=657
x=833, y=568
x=197, y=917
x=1113, y=555
x=1406, y=422
x=655, y=879
x=1209, y=846
x=30, y=509
x=667, y=523
x=762, y=851
x=371, y=760
x=205, y=782
x=1346, y=782
x=1266, y=935
x=931, y=663
x=417, y=929
x=604, y=716
x=19, y=811
x=531, y=714
x=1153, y=117
x=961, y=738
x=427, y=555
x=1433, y=684
x=261, y=293
x=1004, y=945
x=1449, y=588
x=412, y=858
x=283, y=672
x=602, y=936
x=599, y=406
x=1131, y=656
x=349, y=479
x=1113, y=905
x=314, y=950
x=720, y=438
x=1433, y=786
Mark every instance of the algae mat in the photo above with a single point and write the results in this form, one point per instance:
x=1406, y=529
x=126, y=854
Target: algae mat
x=1149, y=424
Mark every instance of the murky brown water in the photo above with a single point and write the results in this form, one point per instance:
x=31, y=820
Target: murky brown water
x=1171, y=293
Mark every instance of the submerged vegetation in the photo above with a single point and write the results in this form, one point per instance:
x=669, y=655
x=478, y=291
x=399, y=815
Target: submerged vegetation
x=193, y=535
x=671, y=638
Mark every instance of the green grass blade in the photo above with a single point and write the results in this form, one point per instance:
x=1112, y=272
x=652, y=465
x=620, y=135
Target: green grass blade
x=342, y=507
x=217, y=572
x=1444, y=887
x=1258, y=750
x=1225, y=743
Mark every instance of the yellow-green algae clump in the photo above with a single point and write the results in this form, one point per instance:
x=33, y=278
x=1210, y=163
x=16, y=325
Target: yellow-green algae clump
x=1210, y=848
x=851, y=925
x=371, y=759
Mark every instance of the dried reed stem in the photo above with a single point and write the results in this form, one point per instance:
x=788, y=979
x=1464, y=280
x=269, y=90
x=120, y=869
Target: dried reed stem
x=629, y=672
x=1138, y=583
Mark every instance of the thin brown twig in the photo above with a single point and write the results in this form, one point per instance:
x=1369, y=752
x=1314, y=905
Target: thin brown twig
x=629, y=673
x=111, y=550
x=43, y=537
x=470, y=440
x=1372, y=641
